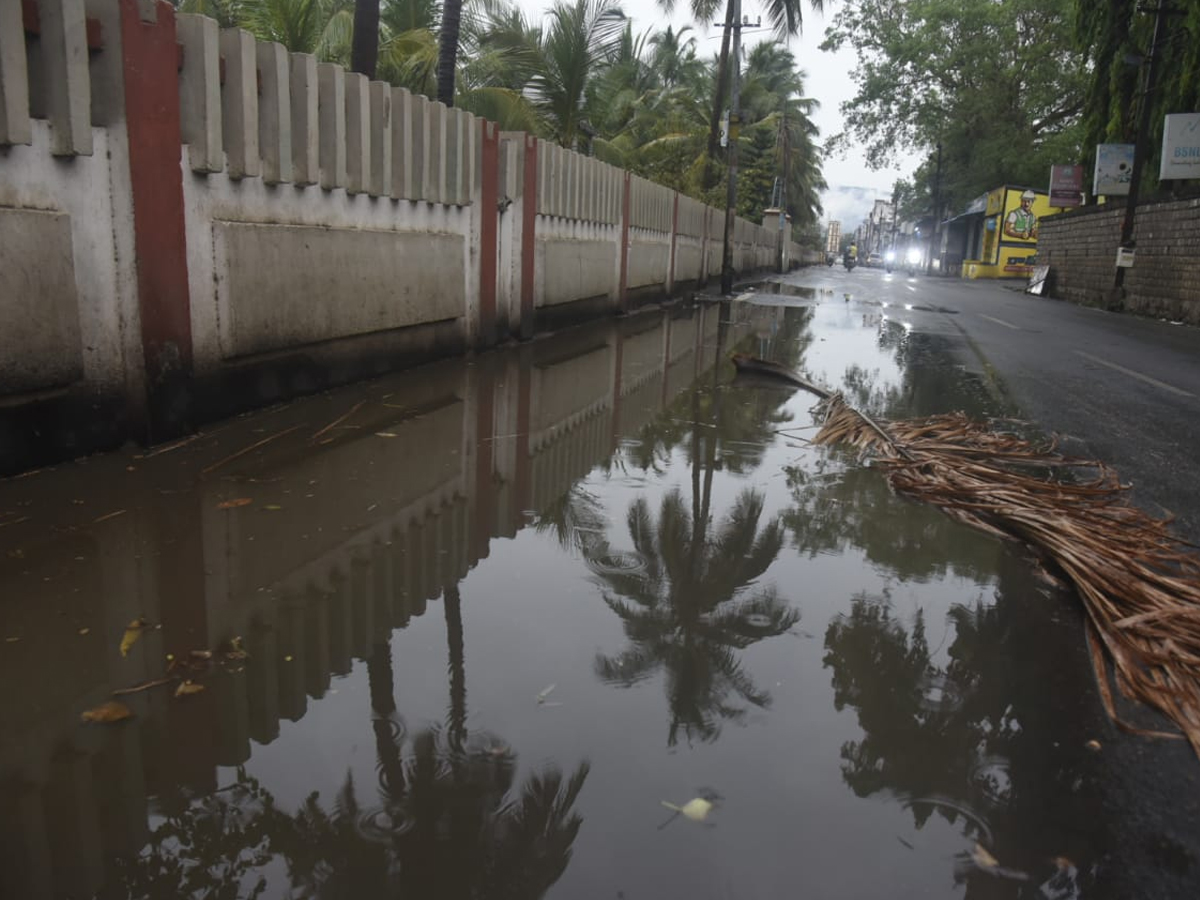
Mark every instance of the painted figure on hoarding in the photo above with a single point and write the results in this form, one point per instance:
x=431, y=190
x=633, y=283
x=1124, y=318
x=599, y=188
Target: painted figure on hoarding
x=1022, y=223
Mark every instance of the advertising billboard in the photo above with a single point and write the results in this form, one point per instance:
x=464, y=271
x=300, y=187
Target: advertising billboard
x=1022, y=211
x=1114, y=169
x=1180, y=147
x=1066, y=186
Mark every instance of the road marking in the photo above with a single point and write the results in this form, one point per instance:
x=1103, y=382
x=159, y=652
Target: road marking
x=1138, y=375
x=1001, y=322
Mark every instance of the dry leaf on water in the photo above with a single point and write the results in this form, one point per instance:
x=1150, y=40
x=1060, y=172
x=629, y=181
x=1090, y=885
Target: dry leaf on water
x=188, y=687
x=112, y=711
x=696, y=809
x=233, y=504
x=133, y=631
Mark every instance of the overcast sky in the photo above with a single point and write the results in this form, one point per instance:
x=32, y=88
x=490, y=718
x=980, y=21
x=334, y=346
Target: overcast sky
x=853, y=187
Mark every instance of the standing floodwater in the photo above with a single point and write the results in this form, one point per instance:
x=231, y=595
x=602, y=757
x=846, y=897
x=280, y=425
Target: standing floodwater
x=587, y=618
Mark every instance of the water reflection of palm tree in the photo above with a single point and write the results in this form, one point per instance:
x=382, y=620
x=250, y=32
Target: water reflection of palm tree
x=446, y=824
x=687, y=610
x=454, y=831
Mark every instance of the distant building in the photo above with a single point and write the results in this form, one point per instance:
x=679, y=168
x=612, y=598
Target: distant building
x=879, y=227
x=833, y=241
x=996, y=235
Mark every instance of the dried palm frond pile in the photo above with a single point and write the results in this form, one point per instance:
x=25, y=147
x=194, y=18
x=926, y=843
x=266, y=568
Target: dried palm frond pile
x=1140, y=585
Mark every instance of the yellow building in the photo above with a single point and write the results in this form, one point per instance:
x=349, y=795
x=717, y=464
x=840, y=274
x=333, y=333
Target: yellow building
x=999, y=232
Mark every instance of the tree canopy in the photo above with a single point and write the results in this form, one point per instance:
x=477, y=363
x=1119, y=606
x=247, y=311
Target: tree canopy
x=1116, y=38
x=997, y=85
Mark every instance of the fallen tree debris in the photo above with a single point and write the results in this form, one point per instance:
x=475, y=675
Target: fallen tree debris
x=1139, y=583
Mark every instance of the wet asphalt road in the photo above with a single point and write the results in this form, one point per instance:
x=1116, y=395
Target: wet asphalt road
x=1123, y=389
x=1120, y=388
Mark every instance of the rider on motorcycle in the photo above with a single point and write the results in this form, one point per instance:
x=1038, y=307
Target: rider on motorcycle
x=851, y=257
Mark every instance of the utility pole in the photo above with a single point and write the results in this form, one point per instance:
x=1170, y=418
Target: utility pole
x=735, y=115
x=895, y=219
x=937, y=215
x=1139, y=139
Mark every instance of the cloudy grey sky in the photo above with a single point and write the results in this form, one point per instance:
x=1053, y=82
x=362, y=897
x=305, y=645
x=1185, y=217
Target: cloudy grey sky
x=853, y=187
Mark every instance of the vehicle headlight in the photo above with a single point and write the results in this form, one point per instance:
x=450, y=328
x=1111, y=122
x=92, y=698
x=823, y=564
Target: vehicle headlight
x=914, y=255
x=890, y=256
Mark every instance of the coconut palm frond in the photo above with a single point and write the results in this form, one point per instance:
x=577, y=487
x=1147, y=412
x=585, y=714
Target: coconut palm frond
x=1139, y=583
x=505, y=107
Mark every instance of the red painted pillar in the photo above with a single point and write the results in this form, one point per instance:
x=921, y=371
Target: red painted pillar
x=623, y=295
x=484, y=520
x=488, y=229
x=522, y=495
x=528, y=228
x=150, y=60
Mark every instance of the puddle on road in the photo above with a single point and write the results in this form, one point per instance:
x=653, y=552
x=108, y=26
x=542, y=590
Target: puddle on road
x=497, y=615
x=768, y=289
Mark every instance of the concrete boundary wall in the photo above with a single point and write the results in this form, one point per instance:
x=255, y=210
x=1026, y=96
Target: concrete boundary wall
x=1081, y=248
x=193, y=223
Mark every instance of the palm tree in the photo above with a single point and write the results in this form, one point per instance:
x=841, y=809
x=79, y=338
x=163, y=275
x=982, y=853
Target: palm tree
x=500, y=53
x=319, y=27
x=364, y=48
x=226, y=12
x=781, y=134
x=674, y=58
x=580, y=39
x=785, y=17
x=448, y=49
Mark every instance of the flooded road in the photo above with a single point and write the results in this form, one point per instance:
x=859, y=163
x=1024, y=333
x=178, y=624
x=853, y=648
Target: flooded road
x=585, y=618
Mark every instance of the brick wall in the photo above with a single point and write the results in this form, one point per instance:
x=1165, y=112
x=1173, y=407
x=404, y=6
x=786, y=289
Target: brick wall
x=1081, y=248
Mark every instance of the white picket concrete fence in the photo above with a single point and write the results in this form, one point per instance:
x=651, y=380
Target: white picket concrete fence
x=194, y=222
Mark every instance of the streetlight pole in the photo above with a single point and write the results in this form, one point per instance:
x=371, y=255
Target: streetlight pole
x=734, y=127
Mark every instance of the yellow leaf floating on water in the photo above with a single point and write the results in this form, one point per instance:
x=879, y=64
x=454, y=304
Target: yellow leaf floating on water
x=235, y=503
x=697, y=809
x=235, y=650
x=983, y=859
x=112, y=711
x=133, y=631
x=188, y=687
